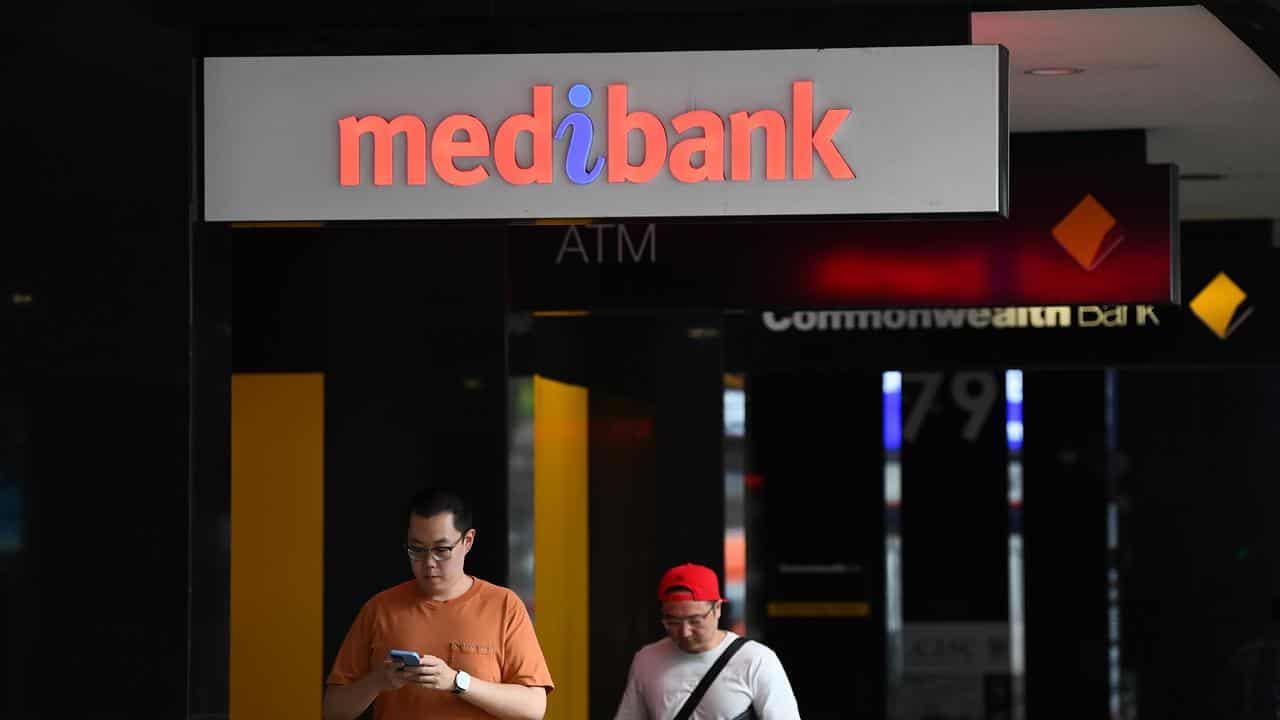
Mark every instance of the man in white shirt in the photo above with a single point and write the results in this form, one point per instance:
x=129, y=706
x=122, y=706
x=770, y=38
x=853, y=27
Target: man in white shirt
x=664, y=673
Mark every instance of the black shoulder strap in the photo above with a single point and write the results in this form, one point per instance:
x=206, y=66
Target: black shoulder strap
x=695, y=697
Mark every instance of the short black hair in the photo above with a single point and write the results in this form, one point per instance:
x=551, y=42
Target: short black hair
x=433, y=501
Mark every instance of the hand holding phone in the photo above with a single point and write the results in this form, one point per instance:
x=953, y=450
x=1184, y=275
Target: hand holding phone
x=404, y=657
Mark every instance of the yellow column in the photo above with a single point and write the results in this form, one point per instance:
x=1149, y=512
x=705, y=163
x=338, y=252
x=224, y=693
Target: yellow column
x=561, y=542
x=277, y=546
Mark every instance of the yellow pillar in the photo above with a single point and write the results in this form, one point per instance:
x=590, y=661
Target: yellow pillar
x=277, y=546
x=560, y=570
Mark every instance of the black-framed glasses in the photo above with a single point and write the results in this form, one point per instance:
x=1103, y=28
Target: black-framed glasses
x=694, y=621
x=439, y=553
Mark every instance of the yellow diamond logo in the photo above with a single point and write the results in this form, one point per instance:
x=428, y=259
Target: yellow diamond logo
x=1218, y=306
x=1088, y=233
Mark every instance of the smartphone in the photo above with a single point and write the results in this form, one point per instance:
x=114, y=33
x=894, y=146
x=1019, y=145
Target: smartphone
x=405, y=657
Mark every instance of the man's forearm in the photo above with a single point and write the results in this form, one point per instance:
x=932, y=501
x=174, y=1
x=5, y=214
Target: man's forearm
x=507, y=702
x=346, y=702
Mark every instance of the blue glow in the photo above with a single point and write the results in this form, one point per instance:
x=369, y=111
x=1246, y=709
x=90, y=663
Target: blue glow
x=891, y=382
x=891, y=387
x=579, y=96
x=1013, y=409
x=580, y=129
x=735, y=413
x=1013, y=433
x=1013, y=386
x=10, y=516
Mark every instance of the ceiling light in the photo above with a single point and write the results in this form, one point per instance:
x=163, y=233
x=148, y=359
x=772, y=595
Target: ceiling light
x=1054, y=71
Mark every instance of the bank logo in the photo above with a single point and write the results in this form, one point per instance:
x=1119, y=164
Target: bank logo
x=1220, y=306
x=1000, y=318
x=694, y=158
x=1088, y=233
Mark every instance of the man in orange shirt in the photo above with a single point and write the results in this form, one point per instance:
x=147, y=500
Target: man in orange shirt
x=480, y=656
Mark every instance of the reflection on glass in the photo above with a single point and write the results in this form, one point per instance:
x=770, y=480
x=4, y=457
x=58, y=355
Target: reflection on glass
x=891, y=412
x=12, y=464
x=520, y=490
x=997, y=648
x=1017, y=627
x=735, y=412
x=891, y=390
x=10, y=513
x=735, y=540
x=1013, y=410
x=1111, y=408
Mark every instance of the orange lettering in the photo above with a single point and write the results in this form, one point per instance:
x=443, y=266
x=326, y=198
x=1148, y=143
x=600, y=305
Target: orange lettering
x=711, y=145
x=621, y=123
x=775, y=144
x=350, y=129
x=444, y=148
x=805, y=142
x=539, y=126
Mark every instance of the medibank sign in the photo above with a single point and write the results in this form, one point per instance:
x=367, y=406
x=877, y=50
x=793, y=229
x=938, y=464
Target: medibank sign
x=708, y=145
x=901, y=131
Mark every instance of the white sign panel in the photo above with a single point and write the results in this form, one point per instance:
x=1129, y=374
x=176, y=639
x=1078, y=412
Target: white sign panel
x=876, y=131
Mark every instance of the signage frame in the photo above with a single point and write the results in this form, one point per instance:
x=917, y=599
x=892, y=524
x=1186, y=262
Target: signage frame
x=249, y=174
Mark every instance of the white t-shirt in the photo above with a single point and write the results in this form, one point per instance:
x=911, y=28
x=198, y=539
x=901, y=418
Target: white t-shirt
x=662, y=677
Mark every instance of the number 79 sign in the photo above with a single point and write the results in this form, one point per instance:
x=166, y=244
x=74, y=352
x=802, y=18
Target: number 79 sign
x=973, y=392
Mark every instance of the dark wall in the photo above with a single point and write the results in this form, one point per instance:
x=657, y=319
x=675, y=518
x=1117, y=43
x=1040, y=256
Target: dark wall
x=1196, y=501
x=955, y=507
x=546, y=26
x=818, y=500
x=1065, y=552
x=1203, y=509
x=93, y=373
x=210, y=488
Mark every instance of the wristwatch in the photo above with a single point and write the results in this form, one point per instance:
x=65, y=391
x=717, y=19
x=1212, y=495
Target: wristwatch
x=461, y=682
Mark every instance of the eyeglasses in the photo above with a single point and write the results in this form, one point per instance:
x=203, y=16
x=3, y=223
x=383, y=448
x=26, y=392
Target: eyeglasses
x=694, y=621
x=439, y=553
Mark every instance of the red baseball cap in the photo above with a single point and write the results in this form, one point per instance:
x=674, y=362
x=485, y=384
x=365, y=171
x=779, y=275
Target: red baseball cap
x=689, y=582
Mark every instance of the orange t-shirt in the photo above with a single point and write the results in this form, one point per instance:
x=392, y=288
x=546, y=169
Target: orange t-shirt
x=485, y=631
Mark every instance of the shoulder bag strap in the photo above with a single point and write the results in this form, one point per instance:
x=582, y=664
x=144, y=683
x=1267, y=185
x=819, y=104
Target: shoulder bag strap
x=686, y=710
